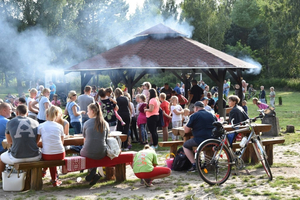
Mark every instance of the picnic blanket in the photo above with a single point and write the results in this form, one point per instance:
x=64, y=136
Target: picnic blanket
x=77, y=163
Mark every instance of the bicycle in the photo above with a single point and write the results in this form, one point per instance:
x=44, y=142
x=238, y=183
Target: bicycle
x=215, y=157
x=251, y=94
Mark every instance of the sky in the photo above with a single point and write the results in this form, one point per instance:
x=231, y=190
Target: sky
x=133, y=4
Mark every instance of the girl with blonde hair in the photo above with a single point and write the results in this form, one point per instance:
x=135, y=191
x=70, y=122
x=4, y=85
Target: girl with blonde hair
x=176, y=112
x=32, y=112
x=52, y=135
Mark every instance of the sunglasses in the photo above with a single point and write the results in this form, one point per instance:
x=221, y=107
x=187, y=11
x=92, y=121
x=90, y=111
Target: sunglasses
x=74, y=95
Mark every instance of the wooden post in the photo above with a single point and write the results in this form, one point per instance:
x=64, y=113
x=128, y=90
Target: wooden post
x=110, y=173
x=290, y=129
x=269, y=152
x=173, y=149
x=36, y=179
x=121, y=172
x=27, y=180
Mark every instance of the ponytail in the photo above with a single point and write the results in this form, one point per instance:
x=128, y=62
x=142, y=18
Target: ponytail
x=99, y=121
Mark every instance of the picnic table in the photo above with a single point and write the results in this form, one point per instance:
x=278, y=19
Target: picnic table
x=249, y=155
x=74, y=140
x=257, y=128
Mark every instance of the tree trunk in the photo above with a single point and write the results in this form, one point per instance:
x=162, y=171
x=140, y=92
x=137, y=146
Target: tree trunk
x=19, y=85
x=6, y=79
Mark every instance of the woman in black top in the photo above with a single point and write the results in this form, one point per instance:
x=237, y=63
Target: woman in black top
x=124, y=112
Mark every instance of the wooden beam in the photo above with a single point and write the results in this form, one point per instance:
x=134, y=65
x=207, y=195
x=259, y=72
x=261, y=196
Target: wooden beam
x=177, y=75
x=238, y=78
x=85, y=78
x=212, y=77
x=221, y=77
x=142, y=74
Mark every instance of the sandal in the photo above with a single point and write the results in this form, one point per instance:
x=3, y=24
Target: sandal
x=56, y=183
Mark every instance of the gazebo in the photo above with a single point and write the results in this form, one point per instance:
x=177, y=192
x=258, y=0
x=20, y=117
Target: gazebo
x=161, y=49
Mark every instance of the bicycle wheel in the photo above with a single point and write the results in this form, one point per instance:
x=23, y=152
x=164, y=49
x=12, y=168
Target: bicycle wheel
x=213, y=164
x=260, y=152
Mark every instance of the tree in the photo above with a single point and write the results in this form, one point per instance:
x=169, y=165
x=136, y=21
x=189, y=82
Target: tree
x=209, y=19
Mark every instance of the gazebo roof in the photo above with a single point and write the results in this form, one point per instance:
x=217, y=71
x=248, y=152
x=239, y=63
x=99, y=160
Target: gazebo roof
x=160, y=47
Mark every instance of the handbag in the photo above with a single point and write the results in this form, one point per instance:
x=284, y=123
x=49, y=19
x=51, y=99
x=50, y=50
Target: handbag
x=161, y=121
x=13, y=180
x=113, y=149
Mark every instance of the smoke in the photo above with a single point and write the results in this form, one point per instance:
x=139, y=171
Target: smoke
x=33, y=51
x=254, y=71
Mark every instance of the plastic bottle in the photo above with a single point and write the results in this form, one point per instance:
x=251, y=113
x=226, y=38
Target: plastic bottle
x=243, y=142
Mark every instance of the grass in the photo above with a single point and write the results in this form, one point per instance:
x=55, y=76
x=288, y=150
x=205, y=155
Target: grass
x=286, y=113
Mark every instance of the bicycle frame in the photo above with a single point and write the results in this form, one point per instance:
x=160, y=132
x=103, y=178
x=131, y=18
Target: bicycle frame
x=225, y=141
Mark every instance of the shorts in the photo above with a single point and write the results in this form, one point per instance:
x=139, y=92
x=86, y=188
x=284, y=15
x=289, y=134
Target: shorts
x=191, y=107
x=189, y=144
x=7, y=158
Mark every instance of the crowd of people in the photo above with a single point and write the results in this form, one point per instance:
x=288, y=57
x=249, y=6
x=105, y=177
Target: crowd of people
x=96, y=112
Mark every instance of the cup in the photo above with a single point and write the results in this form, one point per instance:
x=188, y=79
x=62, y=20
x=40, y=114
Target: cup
x=218, y=116
x=221, y=119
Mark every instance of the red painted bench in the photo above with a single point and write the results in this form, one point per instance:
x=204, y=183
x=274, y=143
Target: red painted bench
x=115, y=168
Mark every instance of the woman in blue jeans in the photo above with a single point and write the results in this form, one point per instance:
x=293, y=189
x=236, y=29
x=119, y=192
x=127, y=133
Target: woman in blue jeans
x=74, y=112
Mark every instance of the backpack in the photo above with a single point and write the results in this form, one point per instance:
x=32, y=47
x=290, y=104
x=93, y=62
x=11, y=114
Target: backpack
x=181, y=162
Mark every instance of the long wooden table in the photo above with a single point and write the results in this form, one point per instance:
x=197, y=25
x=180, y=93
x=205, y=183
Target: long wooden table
x=74, y=140
x=257, y=129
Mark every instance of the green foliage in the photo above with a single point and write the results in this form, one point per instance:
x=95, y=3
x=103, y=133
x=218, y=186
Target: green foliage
x=209, y=19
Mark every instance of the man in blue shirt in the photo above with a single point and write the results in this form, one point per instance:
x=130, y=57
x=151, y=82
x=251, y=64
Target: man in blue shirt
x=200, y=124
x=177, y=88
x=5, y=111
x=52, y=90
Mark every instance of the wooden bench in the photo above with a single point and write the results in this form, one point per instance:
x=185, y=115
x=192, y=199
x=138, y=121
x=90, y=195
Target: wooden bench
x=172, y=144
x=115, y=169
x=250, y=156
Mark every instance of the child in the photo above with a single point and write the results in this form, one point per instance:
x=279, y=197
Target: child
x=259, y=104
x=52, y=135
x=137, y=112
x=142, y=120
x=177, y=112
x=132, y=129
x=244, y=106
x=165, y=106
x=262, y=94
x=55, y=101
x=146, y=87
x=272, y=97
x=145, y=166
x=110, y=96
x=186, y=118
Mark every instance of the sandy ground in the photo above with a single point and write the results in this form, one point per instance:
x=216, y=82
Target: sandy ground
x=183, y=185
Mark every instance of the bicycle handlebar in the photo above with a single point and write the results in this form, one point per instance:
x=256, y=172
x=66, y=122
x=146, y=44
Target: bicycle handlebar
x=250, y=120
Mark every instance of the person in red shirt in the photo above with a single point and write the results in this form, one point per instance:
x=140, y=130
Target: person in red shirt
x=166, y=113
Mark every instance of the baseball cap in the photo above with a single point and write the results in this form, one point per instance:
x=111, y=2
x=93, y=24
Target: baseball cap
x=199, y=104
x=204, y=98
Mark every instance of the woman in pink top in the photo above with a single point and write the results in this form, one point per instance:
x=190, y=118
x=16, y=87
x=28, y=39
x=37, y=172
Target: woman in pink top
x=259, y=104
x=152, y=114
